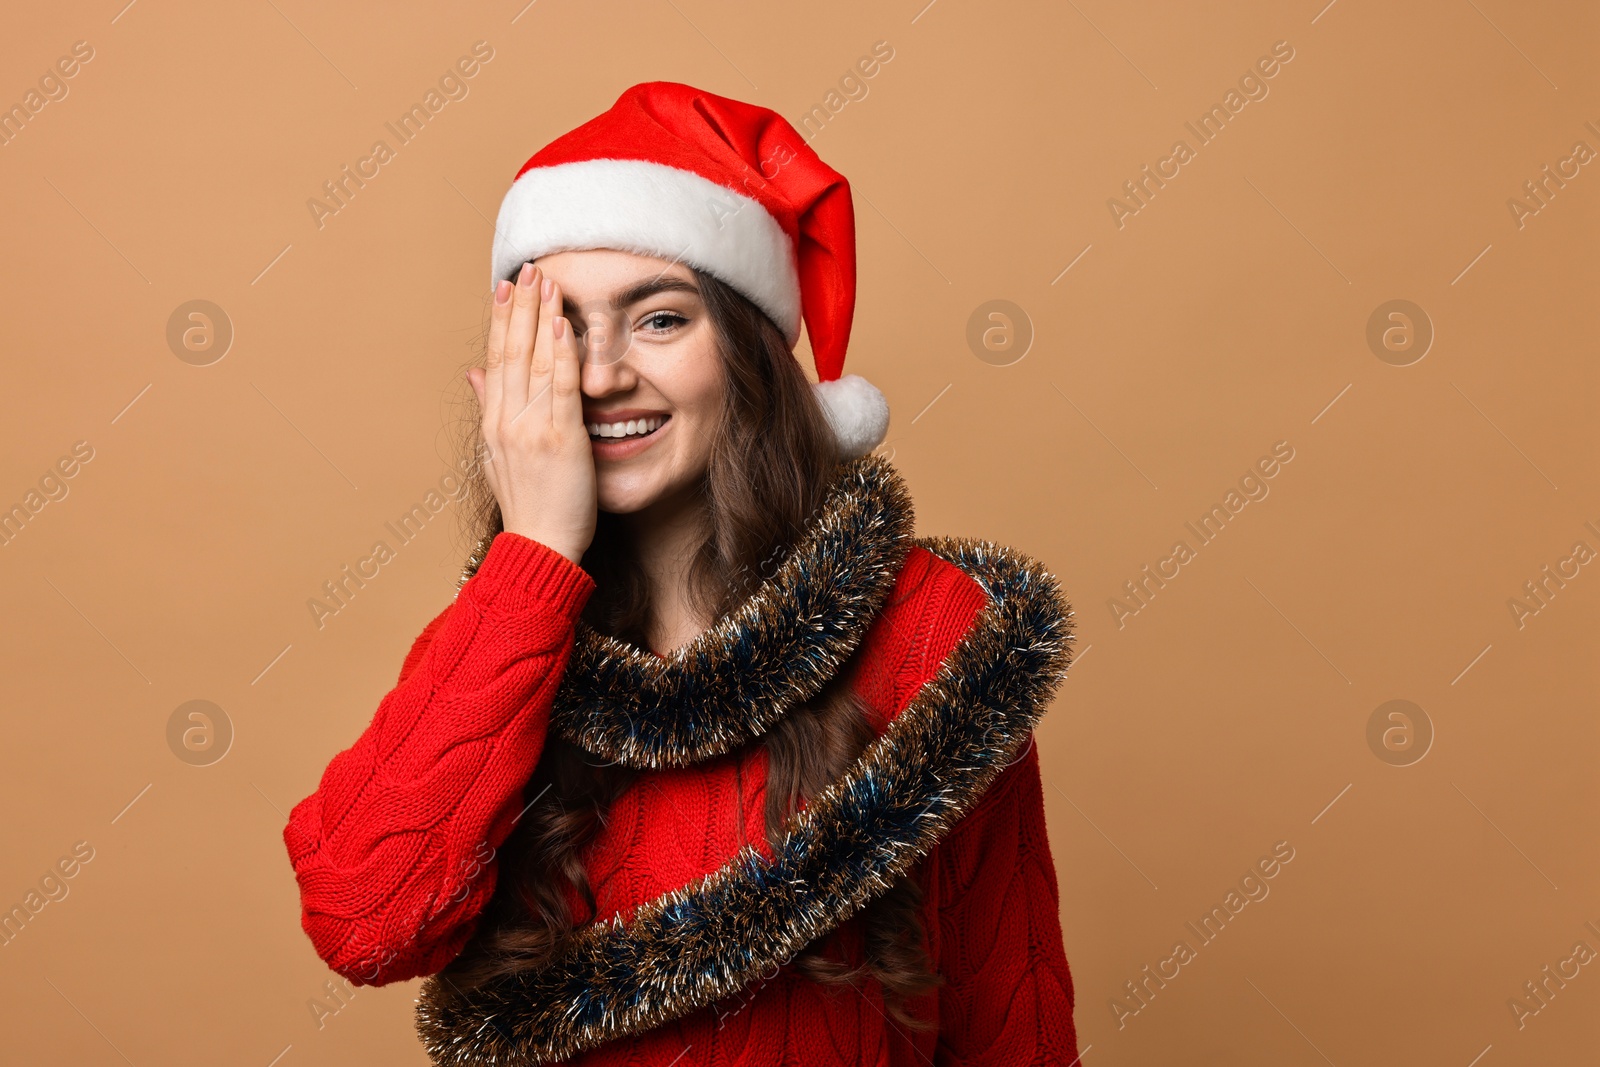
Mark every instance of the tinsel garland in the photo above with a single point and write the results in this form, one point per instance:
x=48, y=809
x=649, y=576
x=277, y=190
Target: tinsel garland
x=772, y=653
x=711, y=938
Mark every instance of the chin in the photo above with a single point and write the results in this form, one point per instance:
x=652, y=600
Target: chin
x=623, y=491
x=624, y=488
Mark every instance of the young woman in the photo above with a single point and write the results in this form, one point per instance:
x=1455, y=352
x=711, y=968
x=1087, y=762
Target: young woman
x=710, y=760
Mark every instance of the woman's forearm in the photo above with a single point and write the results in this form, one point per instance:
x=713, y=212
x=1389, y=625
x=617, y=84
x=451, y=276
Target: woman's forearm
x=395, y=851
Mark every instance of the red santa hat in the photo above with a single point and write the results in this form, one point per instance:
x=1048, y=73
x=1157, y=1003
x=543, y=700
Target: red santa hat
x=726, y=187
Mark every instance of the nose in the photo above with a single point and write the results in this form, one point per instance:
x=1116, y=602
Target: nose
x=607, y=357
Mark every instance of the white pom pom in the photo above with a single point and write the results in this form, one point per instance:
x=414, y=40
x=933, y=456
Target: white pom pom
x=857, y=411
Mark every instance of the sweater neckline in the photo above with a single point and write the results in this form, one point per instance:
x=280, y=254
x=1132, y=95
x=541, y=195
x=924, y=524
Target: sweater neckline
x=636, y=707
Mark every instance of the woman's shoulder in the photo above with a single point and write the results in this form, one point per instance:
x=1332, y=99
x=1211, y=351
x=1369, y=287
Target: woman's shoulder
x=930, y=607
x=946, y=589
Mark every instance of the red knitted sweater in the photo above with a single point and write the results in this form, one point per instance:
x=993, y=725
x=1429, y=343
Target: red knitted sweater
x=393, y=869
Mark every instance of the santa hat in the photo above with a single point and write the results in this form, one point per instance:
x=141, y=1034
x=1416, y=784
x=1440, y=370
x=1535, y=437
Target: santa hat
x=726, y=187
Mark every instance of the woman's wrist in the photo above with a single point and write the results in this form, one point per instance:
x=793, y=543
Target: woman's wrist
x=564, y=545
x=518, y=570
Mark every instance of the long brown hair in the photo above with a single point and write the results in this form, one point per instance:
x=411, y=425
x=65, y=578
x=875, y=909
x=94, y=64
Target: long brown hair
x=771, y=460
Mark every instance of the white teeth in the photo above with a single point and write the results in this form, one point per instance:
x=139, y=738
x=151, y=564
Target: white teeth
x=632, y=427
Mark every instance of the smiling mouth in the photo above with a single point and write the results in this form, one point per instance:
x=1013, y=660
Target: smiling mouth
x=627, y=430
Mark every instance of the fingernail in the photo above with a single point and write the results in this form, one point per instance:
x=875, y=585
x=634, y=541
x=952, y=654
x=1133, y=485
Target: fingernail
x=502, y=291
x=548, y=288
x=558, y=327
x=525, y=275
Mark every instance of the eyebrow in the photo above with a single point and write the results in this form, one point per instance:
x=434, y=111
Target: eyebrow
x=639, y=291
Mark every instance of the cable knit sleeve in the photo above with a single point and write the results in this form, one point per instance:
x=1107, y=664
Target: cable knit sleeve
x=1007, y=1000
x=394, y=852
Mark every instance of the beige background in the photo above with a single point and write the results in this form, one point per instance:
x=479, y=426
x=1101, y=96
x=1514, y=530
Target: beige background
x=1228, y=314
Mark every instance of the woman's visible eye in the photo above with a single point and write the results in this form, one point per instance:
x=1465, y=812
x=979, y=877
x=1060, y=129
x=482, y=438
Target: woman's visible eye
x=662, y=321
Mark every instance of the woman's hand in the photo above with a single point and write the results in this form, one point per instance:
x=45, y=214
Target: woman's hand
x=540, y=463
